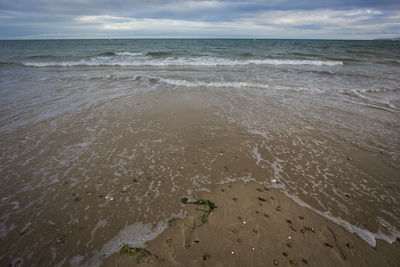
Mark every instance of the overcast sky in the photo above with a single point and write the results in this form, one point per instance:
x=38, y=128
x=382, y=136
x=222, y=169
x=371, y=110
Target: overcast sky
x=336, y=19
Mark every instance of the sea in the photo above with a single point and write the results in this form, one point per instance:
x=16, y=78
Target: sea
x=88, y=161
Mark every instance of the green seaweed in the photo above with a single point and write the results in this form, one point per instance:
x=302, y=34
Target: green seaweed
x=141, y=253
x=172, y=221
x=211, y=206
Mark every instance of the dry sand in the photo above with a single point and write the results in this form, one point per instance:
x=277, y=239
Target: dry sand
x=255, y=226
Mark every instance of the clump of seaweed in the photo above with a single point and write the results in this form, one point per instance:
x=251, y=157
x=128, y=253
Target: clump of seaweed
x=141, y=253
x=211, y=206
x=172, y=221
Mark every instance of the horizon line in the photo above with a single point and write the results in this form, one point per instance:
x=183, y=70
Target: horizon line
x=198, y=38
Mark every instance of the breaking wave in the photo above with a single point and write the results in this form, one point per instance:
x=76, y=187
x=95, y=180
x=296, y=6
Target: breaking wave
x=138, y=59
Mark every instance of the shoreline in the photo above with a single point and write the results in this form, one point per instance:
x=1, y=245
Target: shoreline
x=254, y=226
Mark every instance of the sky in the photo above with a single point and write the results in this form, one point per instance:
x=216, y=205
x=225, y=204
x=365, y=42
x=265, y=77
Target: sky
x=306, y=19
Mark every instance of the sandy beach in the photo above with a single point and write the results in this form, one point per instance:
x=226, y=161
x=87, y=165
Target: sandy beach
x=255, y=226
x=99, y=150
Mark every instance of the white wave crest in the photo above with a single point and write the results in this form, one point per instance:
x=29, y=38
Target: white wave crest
x=212, y=84
x=134, y=59
x=132, y=54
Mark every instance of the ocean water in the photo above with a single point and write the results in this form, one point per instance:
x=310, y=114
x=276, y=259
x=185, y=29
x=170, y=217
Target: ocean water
x=321, y=117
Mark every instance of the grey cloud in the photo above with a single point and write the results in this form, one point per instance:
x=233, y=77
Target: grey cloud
x=45, y=17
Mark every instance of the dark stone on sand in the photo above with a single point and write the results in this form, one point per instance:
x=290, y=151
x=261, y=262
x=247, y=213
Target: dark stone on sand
x=261, y=199
x=349, y=196
x=305, y=261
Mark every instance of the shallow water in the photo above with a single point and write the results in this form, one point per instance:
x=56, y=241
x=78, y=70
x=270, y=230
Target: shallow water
x=100, y=137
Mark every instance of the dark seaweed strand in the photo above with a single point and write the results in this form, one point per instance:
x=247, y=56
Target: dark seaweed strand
x=143, y=253
x=211, y=206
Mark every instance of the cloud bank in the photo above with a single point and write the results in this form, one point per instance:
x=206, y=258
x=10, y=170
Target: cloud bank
x=334, y=19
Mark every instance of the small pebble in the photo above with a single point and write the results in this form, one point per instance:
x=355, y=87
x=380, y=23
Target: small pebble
x=262, y=199
x=259, y=190
x=255, y=231
x=266, y=215
x=349, y=196
x=349, y=245
x=169, y=241
x=301, y=217
x=276, y=262
x=232, y=252
x=285, y=254
x=292, y=228
x=310, y=228
x=289, y=237
x=305, y=261
x=383, y=225
x=240, y=218
x=289, y=221
x=239, y=240
x=235, y=199
x=289, y=245
x=253, y=249
x=244, y=222
x=302, y=231
x=60, y=239
x=235, y=230
x=206, y=257
x=196, y=241
x=292, y=262
x=328, y=245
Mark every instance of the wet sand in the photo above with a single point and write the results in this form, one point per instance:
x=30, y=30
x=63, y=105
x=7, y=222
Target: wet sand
x=255, y=225
x=110, y=173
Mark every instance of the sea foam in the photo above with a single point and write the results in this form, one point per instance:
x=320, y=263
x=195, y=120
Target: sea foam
x=138, y=59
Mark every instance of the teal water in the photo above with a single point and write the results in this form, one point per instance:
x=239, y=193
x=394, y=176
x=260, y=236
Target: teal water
x=361, y=72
